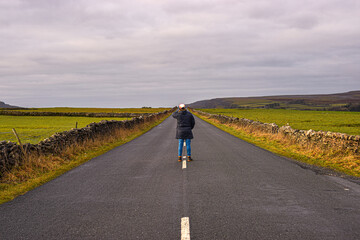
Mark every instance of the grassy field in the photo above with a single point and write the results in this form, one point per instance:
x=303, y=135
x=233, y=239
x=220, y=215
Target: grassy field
x=93, y=110
x=32, y=129
x=334, y=121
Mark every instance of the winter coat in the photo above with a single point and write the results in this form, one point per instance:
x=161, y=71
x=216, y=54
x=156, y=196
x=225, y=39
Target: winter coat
x=185, y=123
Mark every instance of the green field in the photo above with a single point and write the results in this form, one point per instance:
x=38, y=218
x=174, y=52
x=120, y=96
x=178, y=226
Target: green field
x=334, y=121
x=93, y=110
x=32, y=129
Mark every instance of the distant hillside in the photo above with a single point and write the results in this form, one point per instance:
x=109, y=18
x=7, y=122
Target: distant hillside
x=349, y=101
x=4, y=105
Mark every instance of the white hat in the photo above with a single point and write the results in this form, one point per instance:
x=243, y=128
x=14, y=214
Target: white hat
x=182, y=106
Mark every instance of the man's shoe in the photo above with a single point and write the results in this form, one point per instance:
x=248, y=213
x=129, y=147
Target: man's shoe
x=179, y=159
x=189, y=159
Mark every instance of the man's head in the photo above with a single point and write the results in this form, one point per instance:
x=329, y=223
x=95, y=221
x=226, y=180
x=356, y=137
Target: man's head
x=182, y=107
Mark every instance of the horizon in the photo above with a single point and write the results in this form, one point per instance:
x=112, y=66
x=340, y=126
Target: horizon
x=191, y=102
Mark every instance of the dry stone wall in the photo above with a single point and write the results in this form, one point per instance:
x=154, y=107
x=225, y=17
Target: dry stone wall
x=11, y=153
x=323, y=139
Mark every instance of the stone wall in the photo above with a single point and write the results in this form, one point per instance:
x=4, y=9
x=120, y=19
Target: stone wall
x=323, y=139
x=11, y=153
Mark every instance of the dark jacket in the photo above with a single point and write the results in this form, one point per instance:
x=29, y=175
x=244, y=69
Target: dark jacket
x=185, y=123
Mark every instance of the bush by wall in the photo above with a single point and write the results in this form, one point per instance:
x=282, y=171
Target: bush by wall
x=11, y=153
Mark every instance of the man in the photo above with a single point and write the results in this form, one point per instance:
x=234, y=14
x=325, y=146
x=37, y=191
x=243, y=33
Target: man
x=185, y=123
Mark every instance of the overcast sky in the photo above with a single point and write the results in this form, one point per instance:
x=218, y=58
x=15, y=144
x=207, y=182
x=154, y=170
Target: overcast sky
x=160, y=53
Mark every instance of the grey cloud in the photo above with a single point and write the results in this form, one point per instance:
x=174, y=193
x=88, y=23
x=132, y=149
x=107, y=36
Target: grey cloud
x=304, y=21
x=88, y=53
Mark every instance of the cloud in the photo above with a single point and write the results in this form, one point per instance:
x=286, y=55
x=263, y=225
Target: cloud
x=144, y=52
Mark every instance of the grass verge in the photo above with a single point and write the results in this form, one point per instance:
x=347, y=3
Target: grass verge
x=37, y=170
x=335, y=159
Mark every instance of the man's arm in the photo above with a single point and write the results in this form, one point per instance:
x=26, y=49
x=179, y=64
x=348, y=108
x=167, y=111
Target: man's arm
x=192, y=121
x=175, y=114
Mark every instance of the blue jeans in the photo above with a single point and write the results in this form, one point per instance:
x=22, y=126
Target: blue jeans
x=188, y=147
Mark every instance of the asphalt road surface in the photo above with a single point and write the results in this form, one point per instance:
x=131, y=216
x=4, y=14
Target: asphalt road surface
x=232, y=190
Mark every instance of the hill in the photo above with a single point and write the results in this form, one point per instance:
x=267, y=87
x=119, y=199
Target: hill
x=349, y=101
x=4, y=105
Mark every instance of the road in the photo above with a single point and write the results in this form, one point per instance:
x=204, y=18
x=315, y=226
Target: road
x=232, y=190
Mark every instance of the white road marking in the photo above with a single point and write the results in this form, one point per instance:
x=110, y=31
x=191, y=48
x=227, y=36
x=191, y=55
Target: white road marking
x=184, y=162
x=185, y=228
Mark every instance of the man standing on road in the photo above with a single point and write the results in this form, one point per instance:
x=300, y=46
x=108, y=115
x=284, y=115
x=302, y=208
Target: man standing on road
x=185, y=123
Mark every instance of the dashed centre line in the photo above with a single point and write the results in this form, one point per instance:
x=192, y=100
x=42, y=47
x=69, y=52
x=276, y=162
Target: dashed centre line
x=185, y=223
x=185, y=228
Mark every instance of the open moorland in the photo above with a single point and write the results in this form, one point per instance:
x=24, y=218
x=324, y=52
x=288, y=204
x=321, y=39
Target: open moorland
x=333, y=121
x=349, y=101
